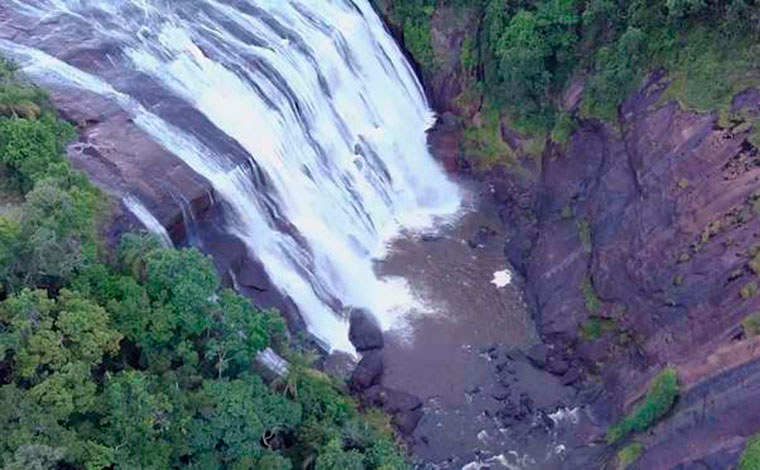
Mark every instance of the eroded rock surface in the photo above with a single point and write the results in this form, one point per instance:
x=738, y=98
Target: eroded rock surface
x=645, y=234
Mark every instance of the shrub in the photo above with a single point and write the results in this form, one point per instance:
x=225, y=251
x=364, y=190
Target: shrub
x=751, y=325
x=660, y=399
x=418, y=39
x=594, y=328
x=751, y=455
x=563, y=128
x=630, y=454
x=593, y=302
x=748, y=290
x=485, y=144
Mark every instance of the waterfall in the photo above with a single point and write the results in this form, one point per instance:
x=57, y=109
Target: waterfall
x=303, y=114
x=148, y=220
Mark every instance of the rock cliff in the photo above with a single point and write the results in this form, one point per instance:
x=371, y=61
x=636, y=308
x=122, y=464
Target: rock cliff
x=636, y=243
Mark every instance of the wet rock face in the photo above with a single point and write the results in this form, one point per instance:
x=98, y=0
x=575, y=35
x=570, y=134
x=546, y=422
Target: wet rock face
x=641, y=248
x=122, y=160
x=651, y=230
x=368, y=372
x=364, y=331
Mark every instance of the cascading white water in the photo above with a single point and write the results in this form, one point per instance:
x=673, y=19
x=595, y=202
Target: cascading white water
x=147, y=219
x=320, y=99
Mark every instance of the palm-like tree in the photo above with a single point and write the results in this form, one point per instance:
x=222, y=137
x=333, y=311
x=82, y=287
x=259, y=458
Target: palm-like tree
x=134, y=251
x=300, y=366
x=19, y=102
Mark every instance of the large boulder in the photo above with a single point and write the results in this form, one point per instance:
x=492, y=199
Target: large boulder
x=368, y=372
x=364, y=331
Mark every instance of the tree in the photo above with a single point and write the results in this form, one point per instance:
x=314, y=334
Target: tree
x=238, y=420
x=29, y=147
x=24, y=422
x=137, y=417
x=11, y=255
x=43, y=336
x=333, y=457
x=239, y=332
x=558, y=20
x=85, y=328
x=68, y=391
x=134, y=252
x=268, y=461
x=36, y=457
x=60, y=230
x=187, y=282
x=522, y=51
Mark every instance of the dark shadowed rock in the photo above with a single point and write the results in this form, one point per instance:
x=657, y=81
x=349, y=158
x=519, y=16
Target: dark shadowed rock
x=483, y=236
x=364, y=331
x=572, y=376
x=405, y=408
x=368, y=372
x=340, y=365
x=390, y=400
x=557, y=366
x=406, y=421
x=538, y=354
x=500, y=391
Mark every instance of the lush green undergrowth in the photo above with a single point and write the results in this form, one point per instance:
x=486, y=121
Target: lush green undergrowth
x=660, y=399
x=140, y=360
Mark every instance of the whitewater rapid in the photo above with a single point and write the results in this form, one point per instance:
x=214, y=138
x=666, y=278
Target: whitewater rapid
x=328, y=111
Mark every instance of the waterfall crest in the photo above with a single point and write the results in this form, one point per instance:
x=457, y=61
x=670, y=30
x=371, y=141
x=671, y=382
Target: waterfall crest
x=304, y=115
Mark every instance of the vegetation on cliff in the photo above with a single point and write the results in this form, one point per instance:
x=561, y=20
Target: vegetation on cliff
x=660, y=399
x=629, y=454
x=751, y=456
x=524, y=56
x=140, y=360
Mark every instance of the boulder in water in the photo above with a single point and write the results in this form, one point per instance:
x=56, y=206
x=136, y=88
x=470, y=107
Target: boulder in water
x=364, y=330
x=538, y=355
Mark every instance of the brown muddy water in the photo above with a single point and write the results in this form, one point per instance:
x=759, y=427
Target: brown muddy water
x=486, y=406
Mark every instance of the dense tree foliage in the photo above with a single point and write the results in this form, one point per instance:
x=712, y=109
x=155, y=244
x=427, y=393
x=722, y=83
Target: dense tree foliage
x=144, y=362
x=524, y=54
